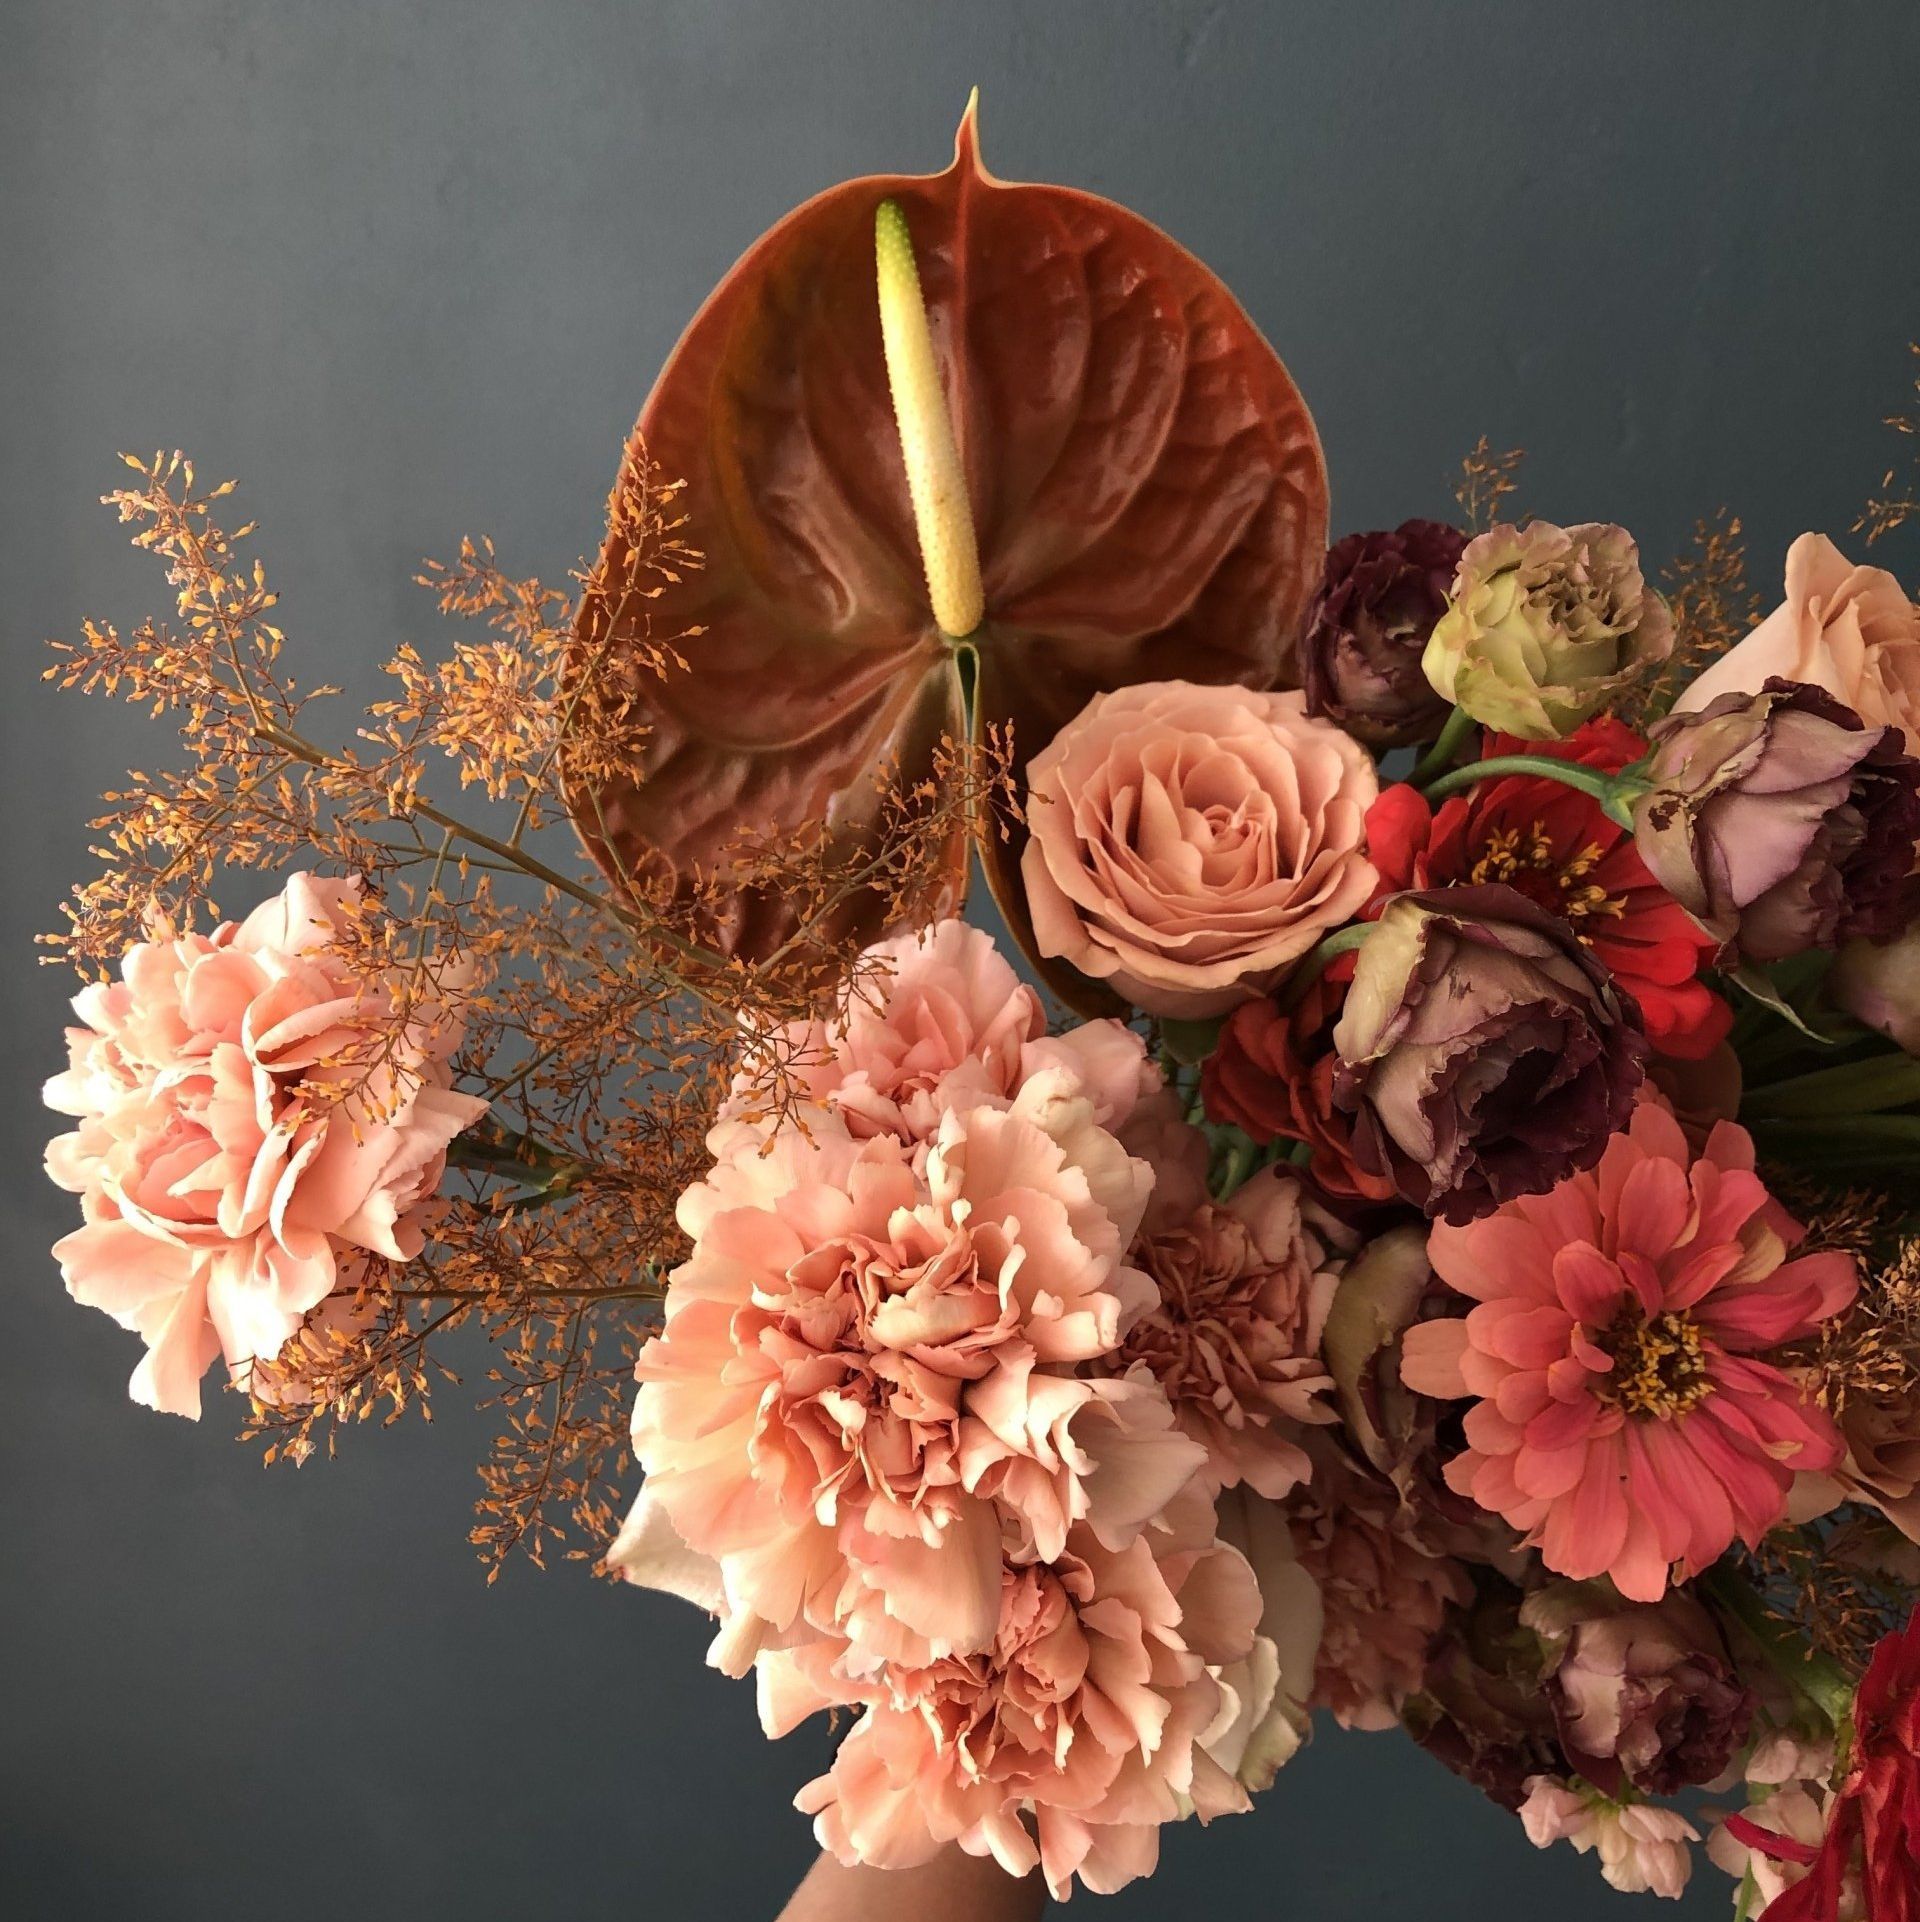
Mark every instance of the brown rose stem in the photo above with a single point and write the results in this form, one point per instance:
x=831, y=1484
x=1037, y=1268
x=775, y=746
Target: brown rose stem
x=1445, y=749
x=1615, y=792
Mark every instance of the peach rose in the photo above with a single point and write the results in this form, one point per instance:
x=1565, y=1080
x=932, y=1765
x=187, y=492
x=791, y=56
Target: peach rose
x=1851, y=630
x=1188, y=843
x=226, y=1187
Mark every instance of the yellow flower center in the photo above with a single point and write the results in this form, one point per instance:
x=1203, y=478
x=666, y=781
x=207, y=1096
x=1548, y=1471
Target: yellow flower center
x=1659, y=1367
x=1525, y=858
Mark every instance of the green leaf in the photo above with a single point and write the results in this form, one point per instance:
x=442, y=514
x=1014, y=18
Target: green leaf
x=1191, y=1041
x=1882, y=1081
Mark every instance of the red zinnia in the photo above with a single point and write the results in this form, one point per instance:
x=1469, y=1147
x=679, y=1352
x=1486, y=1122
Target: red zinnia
x=1272, y=1077
x=1875, y=1824
x=1556, y=846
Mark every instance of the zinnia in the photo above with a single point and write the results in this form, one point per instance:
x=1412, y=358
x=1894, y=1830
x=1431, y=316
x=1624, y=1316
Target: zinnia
x=1189, y=842
x=1562, y=850
x=1626, y=1420
x=1271, y=1075
x=255, y=1114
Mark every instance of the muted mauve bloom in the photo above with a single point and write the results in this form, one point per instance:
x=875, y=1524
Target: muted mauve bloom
x=1484, y=1052
x=1065, y=1742
x=1646, y=1694
x=1189, y=843
x=1627, y=1416
x=1781, y=822
x=1879, y=983
x=1383, y=1595
x=869, y=1373
x=1851, y=630
x=1368, y=626
x=1234, y=1340
x=1547, y=626
x=1482, y=1709
x=256, y=1114
x=1641, y=1849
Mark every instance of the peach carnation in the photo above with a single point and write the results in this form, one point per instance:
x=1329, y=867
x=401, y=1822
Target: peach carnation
x=1245, y=1285
x=1190, y=842
x=865, y=1380
x=223, y=1188
x=936, y=1020
x=1067, y=1740
x=1627, y=1419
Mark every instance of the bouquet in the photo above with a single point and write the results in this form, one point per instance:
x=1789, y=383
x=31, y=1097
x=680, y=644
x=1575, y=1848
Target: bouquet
x=1429, y=1238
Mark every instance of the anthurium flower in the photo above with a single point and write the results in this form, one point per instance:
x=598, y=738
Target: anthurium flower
x=1144, y=481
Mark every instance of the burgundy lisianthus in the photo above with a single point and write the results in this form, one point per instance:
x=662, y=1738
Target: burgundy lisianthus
x=1484, y=1052
x=1561, y=850
x=1874, y=1827
x=1368, y=626
x=1646, y=1694
x=1781, y=822
x=1271, y=1075
x=1482, y=1710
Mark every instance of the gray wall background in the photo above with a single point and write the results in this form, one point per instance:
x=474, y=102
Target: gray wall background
x=407, y=270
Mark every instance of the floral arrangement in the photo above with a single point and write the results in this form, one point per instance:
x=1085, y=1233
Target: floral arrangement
x=1430, y=1240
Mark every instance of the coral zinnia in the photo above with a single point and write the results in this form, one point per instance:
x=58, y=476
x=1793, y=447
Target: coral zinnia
x=1558, y=848
x=1626, y=1419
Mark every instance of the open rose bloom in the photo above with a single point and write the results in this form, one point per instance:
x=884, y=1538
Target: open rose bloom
x=253, y=1117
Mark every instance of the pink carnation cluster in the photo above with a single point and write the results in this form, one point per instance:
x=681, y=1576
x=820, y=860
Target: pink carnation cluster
x=226, y=1193
x=895, y=1437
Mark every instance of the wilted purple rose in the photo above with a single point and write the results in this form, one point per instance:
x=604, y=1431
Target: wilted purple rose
x=1483, y=1050
x=1781, y=822
x=1367, y=628
x=1645, y=1695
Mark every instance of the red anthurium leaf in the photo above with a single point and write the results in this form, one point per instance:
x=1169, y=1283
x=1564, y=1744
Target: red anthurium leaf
x=1145, y=478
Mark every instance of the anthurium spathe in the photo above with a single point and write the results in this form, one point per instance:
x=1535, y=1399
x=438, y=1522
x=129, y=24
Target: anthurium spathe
x=1145, y=482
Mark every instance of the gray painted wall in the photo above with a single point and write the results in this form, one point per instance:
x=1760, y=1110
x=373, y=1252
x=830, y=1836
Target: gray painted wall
x=407, y=269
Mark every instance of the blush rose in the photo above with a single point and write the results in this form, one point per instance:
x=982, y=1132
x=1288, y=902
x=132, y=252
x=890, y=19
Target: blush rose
x=1189, y=843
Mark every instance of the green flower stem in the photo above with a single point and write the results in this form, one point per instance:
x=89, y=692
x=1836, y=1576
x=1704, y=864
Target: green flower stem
x=1315, y=962
x=1241, y=1153
x=1616, y=793
x=1445, y=749
x=491, y=1149
x=1817, y=1678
